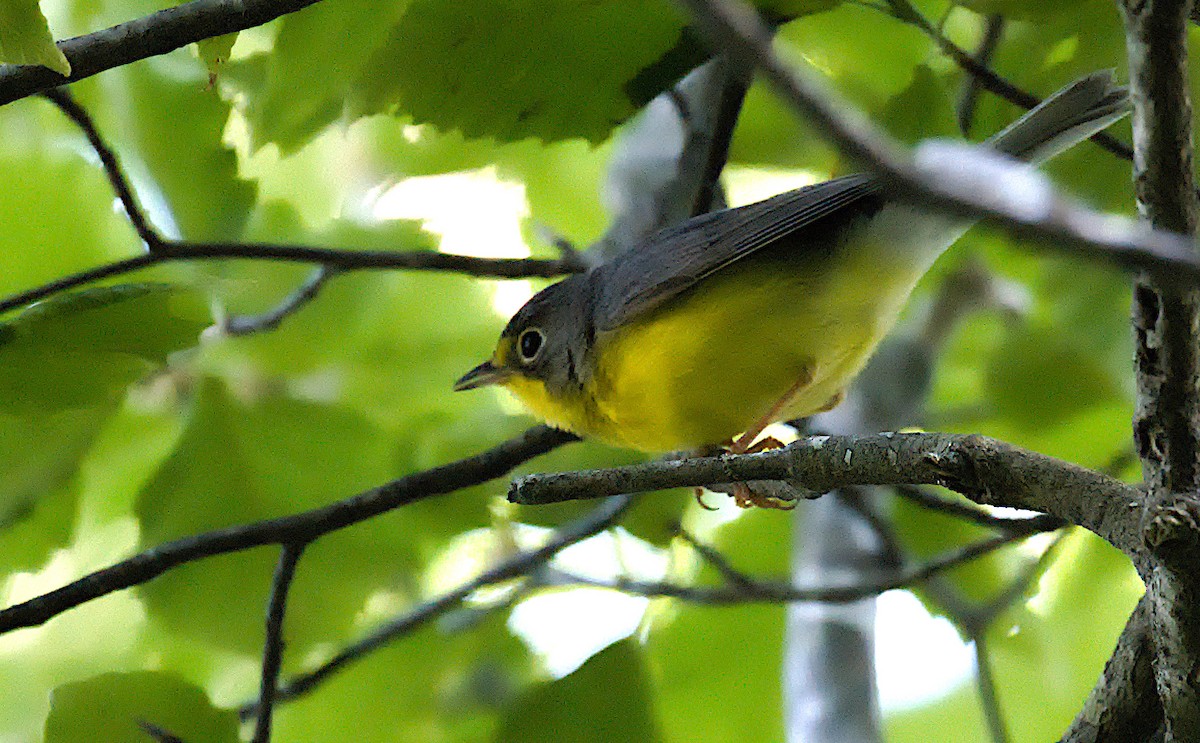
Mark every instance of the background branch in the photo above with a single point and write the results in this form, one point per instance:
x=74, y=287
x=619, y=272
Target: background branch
x=273, y=645
x=300, y=527
x=606, y=515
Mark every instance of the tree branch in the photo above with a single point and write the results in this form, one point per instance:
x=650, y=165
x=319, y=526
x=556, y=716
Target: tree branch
x=1166, y=318
x=987, y=471
x=937, y=182
x=521, y=564
x=758, y=591
x=149, y=36
x=285, y=570
x=291, y=304
x=300, y=527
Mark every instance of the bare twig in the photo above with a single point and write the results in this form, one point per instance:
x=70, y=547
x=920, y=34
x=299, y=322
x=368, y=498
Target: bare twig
x=972, y=513
x=292, y=303
x=905, y=11
x=719, y=562
x=759, y=591
x=289, y=555
x=515, y=566
x=301, y=527
x=149, y=36
x=986, y=684
x=969, y=97
x=66, y=103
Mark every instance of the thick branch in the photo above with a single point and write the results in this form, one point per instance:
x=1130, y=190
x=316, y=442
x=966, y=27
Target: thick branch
x=1166, y=318
x=301, y=527
x=149, y=36
x=987, y=471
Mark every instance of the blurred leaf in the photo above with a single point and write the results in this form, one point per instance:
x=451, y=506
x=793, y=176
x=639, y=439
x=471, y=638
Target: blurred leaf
x=114, y=708
x=85, y=348
x=956, y=714
x=921, y=111
x=1040, y=377
x=606, y=699
x=927, y=534
x=39, y=458
x=507, y=69
x=57, y=210
x=25, y=37
x=236, y=463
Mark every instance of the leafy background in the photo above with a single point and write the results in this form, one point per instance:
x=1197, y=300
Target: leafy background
x=124, y=424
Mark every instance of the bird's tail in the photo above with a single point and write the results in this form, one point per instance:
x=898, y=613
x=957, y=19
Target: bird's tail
x=1071, y=115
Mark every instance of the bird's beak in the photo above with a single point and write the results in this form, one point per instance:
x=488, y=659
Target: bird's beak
x=481, y=376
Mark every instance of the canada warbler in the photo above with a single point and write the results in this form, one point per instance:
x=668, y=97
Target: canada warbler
x=743, y=317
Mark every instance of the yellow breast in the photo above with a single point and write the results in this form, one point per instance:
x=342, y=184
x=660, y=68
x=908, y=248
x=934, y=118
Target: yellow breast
x=710, y=363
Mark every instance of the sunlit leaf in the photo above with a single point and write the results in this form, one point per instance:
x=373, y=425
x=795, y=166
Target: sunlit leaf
x=25, y=37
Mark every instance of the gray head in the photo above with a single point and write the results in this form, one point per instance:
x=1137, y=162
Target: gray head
x=547, y=340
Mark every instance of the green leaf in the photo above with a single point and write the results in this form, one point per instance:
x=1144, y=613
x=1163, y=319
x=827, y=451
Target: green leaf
x=39, y=459
x=605, y=699
x=319, y=53
x=511, y=69
x=85, y=348
x=116, y=707
x=237, y=463
x=25, y=37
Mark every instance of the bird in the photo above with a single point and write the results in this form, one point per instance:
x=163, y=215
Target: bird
x=713, y=329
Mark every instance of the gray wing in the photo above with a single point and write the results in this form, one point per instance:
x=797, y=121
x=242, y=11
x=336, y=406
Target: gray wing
x=635, y=282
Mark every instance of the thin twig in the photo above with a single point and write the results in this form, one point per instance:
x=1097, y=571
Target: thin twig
x=993, y=31
x=292, y=303
x=285, y=570
x=62, y=98
x=305, y=526
x=719, y=562
x=782, y=591
x=523, y=563
x=342, y=260
x=988, y=699
x=904, y=10
x=971, y=512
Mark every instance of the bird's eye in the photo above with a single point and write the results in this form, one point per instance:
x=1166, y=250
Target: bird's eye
x=529, y=343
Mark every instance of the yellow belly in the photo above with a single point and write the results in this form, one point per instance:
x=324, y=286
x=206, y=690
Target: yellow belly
x=710, y=363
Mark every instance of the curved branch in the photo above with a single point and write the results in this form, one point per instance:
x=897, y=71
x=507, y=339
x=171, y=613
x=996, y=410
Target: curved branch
x=938, y=183
x=987, y=471
x=296, y=528
x=149, y=36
